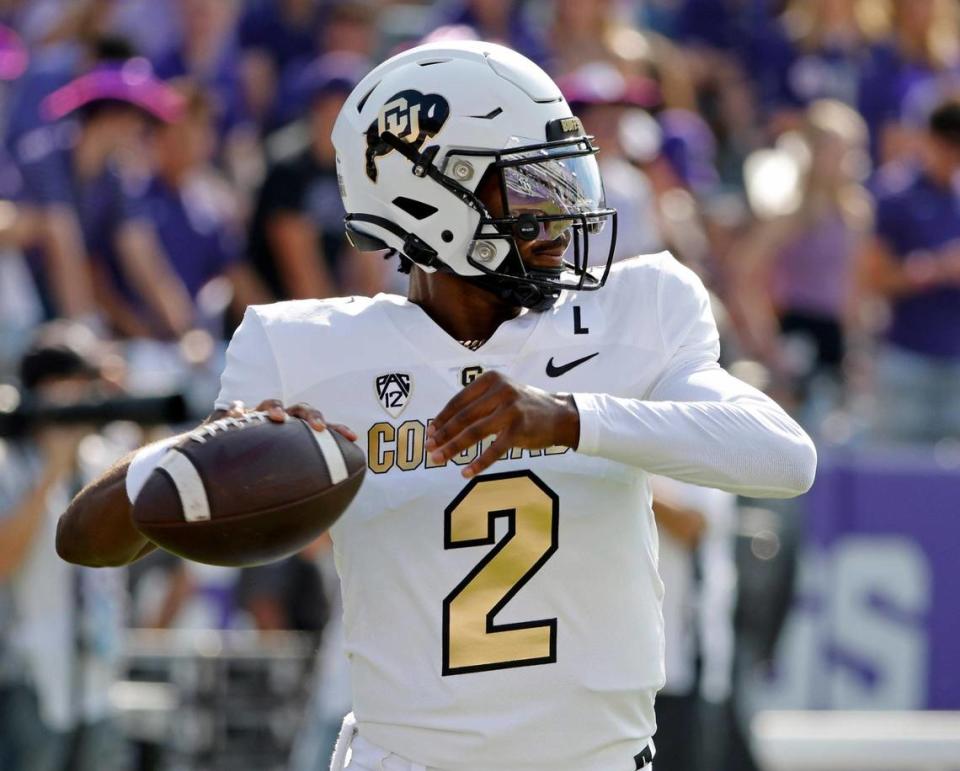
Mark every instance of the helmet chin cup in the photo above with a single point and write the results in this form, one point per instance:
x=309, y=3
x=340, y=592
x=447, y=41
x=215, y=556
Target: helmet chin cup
x=517, y=294
x=535, y=298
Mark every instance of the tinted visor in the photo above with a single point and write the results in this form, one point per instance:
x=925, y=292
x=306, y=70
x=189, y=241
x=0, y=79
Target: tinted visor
x=557, y=187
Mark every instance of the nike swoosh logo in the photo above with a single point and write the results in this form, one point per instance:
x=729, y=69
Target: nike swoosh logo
x=555, y=371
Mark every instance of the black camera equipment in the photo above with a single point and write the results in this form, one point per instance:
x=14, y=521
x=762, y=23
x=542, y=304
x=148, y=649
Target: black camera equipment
x=32, y=413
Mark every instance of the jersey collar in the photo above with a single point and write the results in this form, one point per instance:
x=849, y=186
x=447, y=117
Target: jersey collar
x=434, y=344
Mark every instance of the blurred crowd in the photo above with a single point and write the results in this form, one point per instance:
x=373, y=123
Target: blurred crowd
x=165, y=164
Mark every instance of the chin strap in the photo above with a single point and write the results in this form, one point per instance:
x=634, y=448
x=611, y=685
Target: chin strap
x=413, y=247
x=517, y=293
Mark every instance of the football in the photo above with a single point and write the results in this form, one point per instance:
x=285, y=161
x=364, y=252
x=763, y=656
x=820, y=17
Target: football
x=246, y=491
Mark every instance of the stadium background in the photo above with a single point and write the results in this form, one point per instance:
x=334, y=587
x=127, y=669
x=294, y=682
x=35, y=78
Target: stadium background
x=775, y=147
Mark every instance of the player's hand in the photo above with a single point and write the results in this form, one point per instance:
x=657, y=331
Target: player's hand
x=519, y=415
x=278, y=414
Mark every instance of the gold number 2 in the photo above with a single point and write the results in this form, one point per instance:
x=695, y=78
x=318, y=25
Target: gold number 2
x=472, y=642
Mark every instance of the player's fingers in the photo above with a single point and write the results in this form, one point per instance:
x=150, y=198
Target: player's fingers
x=482, y=406
x=235, y=410
x=471, y=435
x=343, y=431
x=313, y=416
x=497, y=447
x=477, y=388
x=274, y=410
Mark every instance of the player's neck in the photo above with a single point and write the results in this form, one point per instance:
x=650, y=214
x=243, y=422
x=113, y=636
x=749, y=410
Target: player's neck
x=462, y=310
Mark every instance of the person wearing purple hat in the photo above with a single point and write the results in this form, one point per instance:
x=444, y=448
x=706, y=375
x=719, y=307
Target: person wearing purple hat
x=131, y=83
x=297, y=242
x=77, y=176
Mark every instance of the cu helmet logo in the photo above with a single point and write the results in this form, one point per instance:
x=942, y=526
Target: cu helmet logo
x=400, y=117
x=409, y=115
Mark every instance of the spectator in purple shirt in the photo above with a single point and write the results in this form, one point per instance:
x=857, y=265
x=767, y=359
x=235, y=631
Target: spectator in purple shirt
x=499, y=21
x=350, y=27
x=194, y=211
x=149, y=25
x=817, y=49
x=208, y=52
x=297, y=241
x=907, y=74
x=91, y=226
x=581, y=33
x=275, y=35
x=284, y=30
x=347, y=27
x=913, y=262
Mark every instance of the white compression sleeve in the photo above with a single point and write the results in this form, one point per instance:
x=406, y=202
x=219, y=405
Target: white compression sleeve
x=706, y=427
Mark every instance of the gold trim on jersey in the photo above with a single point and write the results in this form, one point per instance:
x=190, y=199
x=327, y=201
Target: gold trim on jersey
x=403, y=447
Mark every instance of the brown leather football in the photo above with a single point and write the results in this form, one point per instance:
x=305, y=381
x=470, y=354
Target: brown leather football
x=245, y=491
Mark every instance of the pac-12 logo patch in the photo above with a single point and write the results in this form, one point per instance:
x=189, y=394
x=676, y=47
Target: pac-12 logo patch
x=409, y=115
x=394, y=391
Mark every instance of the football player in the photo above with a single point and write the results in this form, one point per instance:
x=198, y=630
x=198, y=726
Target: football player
x=499, y=564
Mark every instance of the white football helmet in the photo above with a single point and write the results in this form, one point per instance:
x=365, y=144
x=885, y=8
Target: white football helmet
x=418, y=134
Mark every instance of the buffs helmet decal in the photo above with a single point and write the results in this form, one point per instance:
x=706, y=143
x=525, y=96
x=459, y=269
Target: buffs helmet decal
x=408, y=115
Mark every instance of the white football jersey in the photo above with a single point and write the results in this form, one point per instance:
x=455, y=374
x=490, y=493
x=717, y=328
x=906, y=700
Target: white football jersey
x=511, y=621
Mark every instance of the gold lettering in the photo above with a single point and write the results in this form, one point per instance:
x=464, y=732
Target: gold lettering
x=404, y=447
x=432, y=463
x=466, y=457
x=379, y=459
x=516, y=453
x=410, y=445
